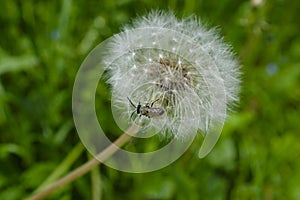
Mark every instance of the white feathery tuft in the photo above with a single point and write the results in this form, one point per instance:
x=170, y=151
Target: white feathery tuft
x=181, y=64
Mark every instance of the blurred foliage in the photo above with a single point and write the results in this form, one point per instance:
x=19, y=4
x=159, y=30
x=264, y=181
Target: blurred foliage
x=42, y=44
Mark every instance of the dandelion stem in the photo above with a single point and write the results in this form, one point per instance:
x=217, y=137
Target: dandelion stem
x=103, y=155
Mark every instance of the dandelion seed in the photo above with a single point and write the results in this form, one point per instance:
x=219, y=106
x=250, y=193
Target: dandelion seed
x=191, y=72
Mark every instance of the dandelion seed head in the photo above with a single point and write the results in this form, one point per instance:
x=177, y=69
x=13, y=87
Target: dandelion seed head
x=180, y=62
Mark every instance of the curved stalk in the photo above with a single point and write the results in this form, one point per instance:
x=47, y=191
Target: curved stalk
x=103, y=155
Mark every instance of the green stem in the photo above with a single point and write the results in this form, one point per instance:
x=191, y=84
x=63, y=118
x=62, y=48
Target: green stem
x=63, y=167
x=106, y=153
x=96, y=184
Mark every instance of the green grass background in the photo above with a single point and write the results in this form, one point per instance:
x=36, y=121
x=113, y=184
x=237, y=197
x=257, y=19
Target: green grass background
x=43, y=43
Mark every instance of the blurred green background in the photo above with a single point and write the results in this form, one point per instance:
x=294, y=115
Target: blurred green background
x=43, y=43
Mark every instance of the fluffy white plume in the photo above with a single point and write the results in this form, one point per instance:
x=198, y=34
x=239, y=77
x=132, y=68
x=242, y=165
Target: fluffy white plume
x=178, y=65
